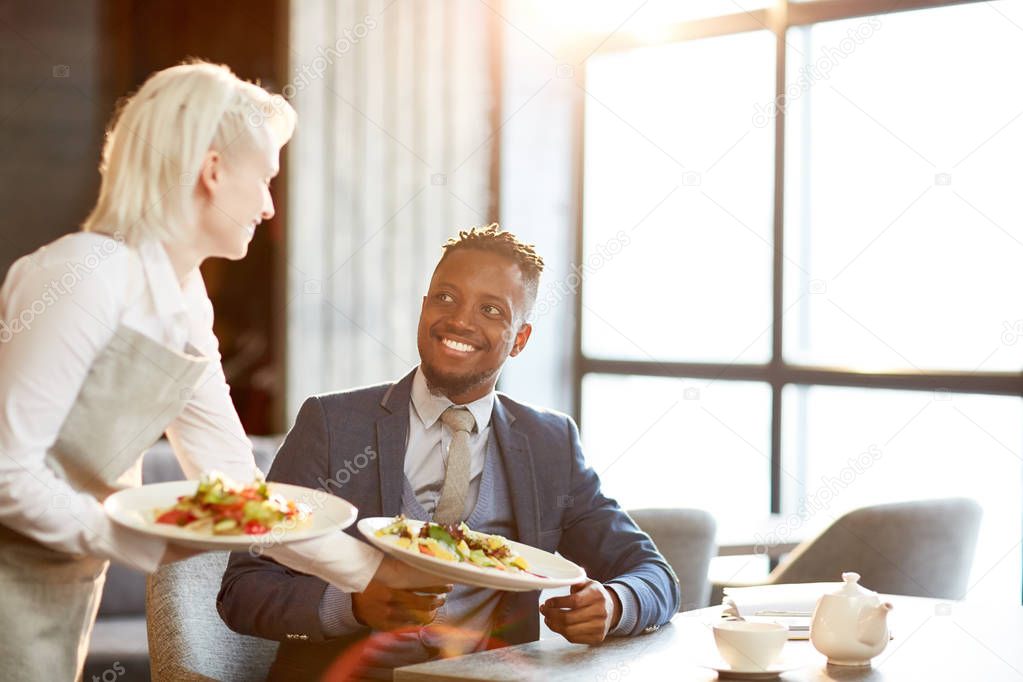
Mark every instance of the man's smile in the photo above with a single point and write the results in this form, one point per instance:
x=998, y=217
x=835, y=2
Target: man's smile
x=459, y=346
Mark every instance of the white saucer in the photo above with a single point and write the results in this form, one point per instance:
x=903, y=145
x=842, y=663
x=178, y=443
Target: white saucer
x=727, y=672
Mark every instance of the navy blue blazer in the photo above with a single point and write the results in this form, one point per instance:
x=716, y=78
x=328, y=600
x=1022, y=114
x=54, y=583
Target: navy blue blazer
x=556, y=500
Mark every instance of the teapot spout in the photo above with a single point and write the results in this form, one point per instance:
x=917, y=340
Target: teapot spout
x=872, y=627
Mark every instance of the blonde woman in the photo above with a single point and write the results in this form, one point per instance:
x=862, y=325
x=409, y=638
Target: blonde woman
x=107, y=343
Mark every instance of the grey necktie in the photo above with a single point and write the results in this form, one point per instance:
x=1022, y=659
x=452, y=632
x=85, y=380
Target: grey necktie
x=451, y=505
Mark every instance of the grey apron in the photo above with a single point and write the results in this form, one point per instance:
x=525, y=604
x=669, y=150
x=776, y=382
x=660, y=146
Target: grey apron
x=48, y=600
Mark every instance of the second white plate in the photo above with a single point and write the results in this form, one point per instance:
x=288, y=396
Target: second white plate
x=546, y=569
x=135, y=509
x=727, y=672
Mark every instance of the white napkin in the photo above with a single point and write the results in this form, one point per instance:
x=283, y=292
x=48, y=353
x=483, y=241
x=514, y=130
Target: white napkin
x=788, y=604
x=788, y=599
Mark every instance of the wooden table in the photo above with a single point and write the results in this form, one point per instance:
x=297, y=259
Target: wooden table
x=933, y=640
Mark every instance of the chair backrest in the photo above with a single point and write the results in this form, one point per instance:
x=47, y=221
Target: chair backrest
x=187, y=639
x=923, y=548
x=685, y=537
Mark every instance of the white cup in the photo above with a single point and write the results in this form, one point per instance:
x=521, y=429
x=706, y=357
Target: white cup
x=750, y=646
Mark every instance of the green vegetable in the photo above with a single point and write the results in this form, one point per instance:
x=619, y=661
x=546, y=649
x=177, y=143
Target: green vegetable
x=440, y=533
x=224, y=526
x=254, y=510
x=477, y=557
x=444, y=539
x=393, y=528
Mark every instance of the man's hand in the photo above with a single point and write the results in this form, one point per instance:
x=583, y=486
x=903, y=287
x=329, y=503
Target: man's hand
x=586, y=615
x=385, y=609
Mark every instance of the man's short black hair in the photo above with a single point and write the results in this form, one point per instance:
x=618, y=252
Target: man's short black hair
x=492, y=238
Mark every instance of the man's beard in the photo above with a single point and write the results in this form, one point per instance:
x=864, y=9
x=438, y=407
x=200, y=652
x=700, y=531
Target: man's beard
x=454, y=384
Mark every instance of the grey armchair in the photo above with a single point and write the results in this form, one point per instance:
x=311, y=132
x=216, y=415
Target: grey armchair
x=187, y=640
x=686, y=539
x=119, y=639
x=923, y=548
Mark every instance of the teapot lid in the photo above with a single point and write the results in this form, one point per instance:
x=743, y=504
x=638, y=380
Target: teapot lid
x=852, y=587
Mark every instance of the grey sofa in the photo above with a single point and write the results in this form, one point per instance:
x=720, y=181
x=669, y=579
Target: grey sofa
x=119, y=640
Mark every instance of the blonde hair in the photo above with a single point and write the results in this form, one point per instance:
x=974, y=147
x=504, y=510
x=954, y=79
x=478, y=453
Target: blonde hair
x=158, y=138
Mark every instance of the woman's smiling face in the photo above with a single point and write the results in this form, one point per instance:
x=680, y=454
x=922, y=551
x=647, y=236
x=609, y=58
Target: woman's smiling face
x=237, y=195
x=472, y=320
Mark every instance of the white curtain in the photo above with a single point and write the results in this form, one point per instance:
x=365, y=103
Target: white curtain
x=391, y=156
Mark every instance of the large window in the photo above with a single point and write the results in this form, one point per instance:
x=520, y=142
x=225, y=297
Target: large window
x=801, y=237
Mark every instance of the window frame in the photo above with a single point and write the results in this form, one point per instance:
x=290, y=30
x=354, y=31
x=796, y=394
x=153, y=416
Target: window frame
x=776, y=372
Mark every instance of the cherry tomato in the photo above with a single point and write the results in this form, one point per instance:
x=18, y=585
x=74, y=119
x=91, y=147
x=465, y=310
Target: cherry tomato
x=255, y=528
x=175, y=517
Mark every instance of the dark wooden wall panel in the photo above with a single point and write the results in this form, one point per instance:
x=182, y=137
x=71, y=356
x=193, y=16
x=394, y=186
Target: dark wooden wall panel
x=63, y=65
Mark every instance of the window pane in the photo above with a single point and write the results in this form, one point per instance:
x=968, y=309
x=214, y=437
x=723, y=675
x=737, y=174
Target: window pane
x=642, y=17
x=677, y=202
x=664, y=11
x=680, y=443
x=904, y=191
x=854, y=447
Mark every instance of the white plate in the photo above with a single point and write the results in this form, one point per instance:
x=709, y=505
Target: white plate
x=727, y=672
x=136, y=507
x=550, y=570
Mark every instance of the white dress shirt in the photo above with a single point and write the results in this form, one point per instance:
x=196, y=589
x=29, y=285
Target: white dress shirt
x=59, y=308
x=426, y=450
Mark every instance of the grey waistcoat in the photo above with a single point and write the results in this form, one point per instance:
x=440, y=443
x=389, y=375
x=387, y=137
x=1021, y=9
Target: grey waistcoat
x=464, y=623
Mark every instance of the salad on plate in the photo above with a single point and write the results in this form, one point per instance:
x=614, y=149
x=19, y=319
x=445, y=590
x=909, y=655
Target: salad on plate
x=455, y=543
x=222, y=507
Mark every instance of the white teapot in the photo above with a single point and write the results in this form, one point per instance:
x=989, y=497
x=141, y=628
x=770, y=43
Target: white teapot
x=850, y=626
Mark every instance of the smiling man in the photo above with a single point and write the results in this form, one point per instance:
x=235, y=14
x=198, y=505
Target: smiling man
x=447, y=447
x=474, y=315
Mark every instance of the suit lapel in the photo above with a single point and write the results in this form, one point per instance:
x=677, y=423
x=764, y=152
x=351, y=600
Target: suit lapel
x=392, y=432
x=391, y=439
x=518, y=468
